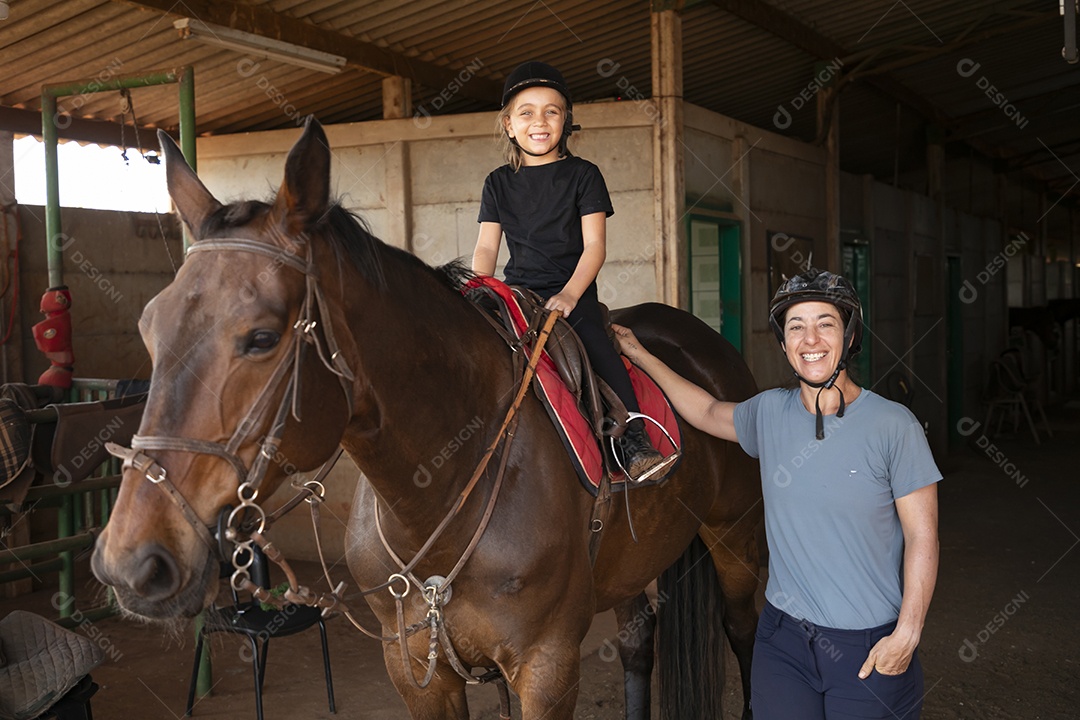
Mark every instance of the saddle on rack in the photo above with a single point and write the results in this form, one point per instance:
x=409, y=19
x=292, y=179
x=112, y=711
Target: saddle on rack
x=584, y=410
x=65, y=442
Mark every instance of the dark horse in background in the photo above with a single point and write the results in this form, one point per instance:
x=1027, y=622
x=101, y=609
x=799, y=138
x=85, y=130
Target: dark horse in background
x=426, y=365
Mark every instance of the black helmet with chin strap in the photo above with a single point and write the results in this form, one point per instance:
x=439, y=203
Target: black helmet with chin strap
x=538, y=74
x=815, y=285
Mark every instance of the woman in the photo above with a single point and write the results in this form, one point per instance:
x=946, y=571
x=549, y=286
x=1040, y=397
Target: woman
x=850, y=495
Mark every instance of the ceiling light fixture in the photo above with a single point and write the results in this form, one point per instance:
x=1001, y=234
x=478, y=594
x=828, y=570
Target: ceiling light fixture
x=252, y=44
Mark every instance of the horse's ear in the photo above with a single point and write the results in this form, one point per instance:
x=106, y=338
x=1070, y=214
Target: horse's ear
x=305, y=192
x=193, y=201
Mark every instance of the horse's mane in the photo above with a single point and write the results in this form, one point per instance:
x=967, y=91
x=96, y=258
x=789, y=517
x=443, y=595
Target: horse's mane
x=348, y=235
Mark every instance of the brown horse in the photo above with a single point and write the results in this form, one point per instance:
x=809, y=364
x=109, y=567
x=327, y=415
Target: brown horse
x=424, y=366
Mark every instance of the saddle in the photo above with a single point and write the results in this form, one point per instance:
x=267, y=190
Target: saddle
x=583, y=408
x=62, y=441
x=563, y=348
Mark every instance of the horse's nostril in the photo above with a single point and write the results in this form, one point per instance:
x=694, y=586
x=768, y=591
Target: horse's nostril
x=155, y=575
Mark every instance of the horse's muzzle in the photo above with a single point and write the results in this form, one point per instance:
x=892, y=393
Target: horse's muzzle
x=149, y=582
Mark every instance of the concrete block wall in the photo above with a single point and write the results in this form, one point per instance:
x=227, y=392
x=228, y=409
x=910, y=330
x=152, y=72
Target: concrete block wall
x=114, y=263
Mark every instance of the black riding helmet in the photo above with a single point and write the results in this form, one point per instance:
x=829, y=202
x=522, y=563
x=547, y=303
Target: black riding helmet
x=538, y=74
x=821, y=286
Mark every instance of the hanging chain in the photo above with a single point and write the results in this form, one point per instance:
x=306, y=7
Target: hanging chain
x=127, y=107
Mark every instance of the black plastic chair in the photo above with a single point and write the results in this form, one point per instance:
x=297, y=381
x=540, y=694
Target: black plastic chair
x=75, y=705
x=248, y=618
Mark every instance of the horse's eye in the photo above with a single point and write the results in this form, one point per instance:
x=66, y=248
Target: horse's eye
x=262, y=341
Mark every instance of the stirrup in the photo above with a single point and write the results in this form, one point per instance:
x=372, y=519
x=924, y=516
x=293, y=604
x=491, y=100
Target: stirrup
x=661, y=467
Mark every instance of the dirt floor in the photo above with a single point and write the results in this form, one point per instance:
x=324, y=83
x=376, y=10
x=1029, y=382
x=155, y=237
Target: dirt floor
x=998, y=643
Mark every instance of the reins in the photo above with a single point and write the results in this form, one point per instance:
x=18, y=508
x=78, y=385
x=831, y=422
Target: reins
x=436, y=590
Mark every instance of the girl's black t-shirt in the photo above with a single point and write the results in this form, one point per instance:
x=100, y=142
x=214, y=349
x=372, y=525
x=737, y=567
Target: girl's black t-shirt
x=540, y=209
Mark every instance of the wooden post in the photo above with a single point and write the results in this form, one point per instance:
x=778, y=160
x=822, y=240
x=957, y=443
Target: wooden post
x=740, y=186
x=869, y=228
x=397, y=103
x=935, y=163
x=396, y=97
x=399, y=195
x=828, y=119
x=11, y=358
x=669, y=181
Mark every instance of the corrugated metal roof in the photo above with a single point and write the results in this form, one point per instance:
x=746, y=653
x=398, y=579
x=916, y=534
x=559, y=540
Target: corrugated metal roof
x=743, y=68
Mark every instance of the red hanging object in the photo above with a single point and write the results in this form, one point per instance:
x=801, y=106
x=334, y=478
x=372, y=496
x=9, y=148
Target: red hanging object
x=53, y=337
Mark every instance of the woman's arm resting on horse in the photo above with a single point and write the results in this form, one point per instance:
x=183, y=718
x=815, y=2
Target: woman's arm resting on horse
x=692, y=402
x=486, y=254
x=918, y=513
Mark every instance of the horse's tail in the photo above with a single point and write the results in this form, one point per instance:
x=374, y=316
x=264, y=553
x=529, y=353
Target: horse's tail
x=690, y=642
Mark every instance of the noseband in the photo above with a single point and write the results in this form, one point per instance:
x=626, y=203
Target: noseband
x=314, y=306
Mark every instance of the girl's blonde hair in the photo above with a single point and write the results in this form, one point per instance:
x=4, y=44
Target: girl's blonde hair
x=510, y=152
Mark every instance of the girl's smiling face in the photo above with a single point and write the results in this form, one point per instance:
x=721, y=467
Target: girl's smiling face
x=536, y=122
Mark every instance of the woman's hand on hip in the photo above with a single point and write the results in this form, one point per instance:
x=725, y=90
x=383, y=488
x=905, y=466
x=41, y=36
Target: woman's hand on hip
x=891, y=655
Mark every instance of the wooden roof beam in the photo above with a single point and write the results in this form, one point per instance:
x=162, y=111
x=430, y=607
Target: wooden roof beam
x=260, y=20
x=101, y=132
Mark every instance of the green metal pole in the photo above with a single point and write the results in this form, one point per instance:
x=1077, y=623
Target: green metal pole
x=77, y=512
x=67, y=570
x=187, y=114
x=205, y=680
x=52, y=191
x=46, y=548
x=93, y=615
x=187, y=125
x=94, y=85
x=35, y=571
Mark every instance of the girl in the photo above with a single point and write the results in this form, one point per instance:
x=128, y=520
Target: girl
x=553, y=208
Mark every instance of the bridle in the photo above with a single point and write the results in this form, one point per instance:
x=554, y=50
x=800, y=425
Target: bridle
x=313, y=307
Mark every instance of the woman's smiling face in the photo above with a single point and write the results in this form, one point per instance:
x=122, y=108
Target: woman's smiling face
x=813, y=339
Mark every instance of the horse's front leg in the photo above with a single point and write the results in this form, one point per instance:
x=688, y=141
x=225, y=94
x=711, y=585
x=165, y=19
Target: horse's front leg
x=443, y=699
x=546, y=680
x=637, y=623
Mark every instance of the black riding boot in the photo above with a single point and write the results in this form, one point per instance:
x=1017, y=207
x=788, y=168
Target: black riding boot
x=638, y=454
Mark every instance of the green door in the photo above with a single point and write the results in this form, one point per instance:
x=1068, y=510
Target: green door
x=716, y=276
x=856, y=261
